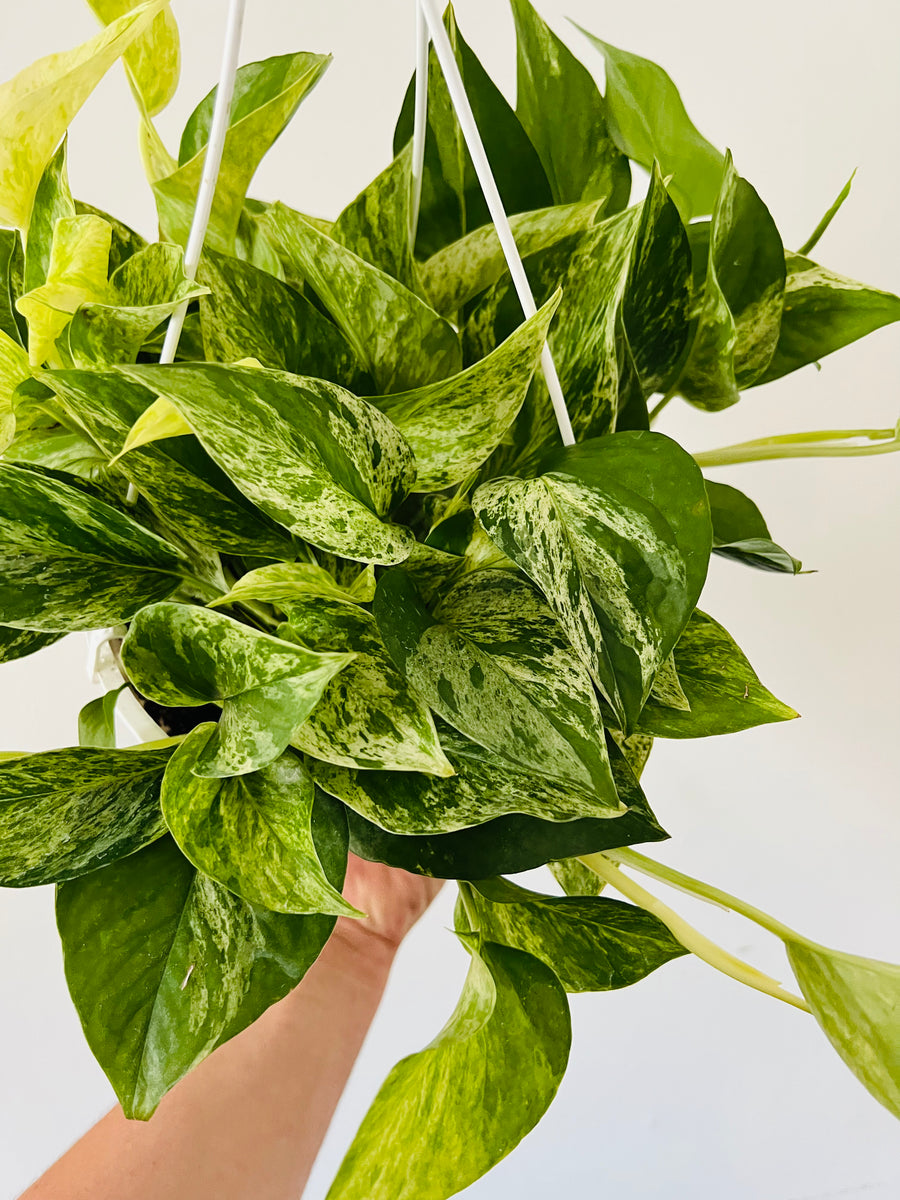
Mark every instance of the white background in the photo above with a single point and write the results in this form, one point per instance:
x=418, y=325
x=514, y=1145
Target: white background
x=686, y=1085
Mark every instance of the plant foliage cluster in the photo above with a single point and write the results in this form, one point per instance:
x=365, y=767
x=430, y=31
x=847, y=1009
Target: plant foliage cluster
x=382, y=609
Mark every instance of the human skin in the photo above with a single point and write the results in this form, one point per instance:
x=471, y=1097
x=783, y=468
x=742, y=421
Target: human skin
x=249, y=1120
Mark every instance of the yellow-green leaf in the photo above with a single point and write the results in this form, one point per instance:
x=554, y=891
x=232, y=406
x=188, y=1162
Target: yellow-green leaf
x=153, y=60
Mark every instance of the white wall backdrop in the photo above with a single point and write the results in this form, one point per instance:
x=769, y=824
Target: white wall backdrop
x=686, y=1085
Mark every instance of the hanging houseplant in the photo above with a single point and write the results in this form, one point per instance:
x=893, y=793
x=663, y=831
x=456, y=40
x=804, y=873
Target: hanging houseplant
x=355, y=569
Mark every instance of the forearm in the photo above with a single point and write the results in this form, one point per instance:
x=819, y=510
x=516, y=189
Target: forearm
x=249, y=1120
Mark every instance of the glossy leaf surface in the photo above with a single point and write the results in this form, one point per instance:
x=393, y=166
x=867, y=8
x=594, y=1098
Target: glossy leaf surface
x=740, y=531
x=723, y=690
x=69, y=561
x=252, y=833
x=591, y=944
x=164, y=964
x=97, y=721
x=617, y=536
x=508, y=1037
x=66, y=812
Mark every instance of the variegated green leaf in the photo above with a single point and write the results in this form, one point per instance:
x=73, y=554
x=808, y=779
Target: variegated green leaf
x=822, y=313
x=452, y=200
x=14, y=369
x=591, y=944
x=494, y=663
x=667, y=690
x=503, y=845
x=466, y=1100
x=164, y=964
x=635, y=748
x=400, y=340
x=66, y=812
x=857, y=1004
x=253, y=834
x=617, y=535
x=375, y=226
x=125, y=242
x=575, y=878
x=266, y=96
x=182, y=656
x=741, y=533
x=739, y=313
x=722, y=688
x=97, y=721
x=153, y=60
x=69, y=561
x=486, y=785
x=457, y=273
x=648, y=122
x=177, y=476
x=52, y=202
x=37, y=105
x=564, y=115
x=369, y=716
x=76, y=275
x=12, y=266
x=18, y=643
x=455, y=424
x=283, y=584
x=250, y=314
x=143, y=292
x=312, y=456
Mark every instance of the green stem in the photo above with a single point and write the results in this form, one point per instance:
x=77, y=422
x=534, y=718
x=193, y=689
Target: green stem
x=471, y=915
x=705, y=891
x=691, y=938
x=823, y=443
x=669, y=396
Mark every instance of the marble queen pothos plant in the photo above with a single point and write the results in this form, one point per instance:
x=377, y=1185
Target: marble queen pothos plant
x=372, y=601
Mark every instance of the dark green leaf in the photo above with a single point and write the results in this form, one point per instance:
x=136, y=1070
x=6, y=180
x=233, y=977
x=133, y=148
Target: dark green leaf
x=494, y=663
x=66, y=812
x=591, y=944
x=465, y=1101
x=740, y=311
x=164, y=964
x=400, y=340
x=181, y=656
x=312, y=456
x=69, y=561
x=740, y=531
x=455, y=424
x=368, y=716
x=617, y=536
x=452, y=200
x=723, y=689
x=253, y=833
x=97, y=721
x=250, y=314
x=266, y=96
x=856, y=1001
x=648, y=122
x=564, y=115
x=177, y=476
x=822, y=313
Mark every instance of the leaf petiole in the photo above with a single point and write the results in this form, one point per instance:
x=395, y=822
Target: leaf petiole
x=691, y=938
x=822, y=443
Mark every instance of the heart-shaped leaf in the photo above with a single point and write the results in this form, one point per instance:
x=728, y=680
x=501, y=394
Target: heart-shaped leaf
x=648, y=122
x=253, y=833
x=590, y=944
x=37, y=105
x=164, y=964
x=617, y=536
x=266, y=96
x=66, y=812
x=565, y=116
x=508, y=1037
x=739, y=316
x=69, y=561
x=181, y=656
x=400, y=340
x=494, y=663
x=455, y=424
x=741, y=533
x=369, y=716
x=722, y=688
x=311, y=456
